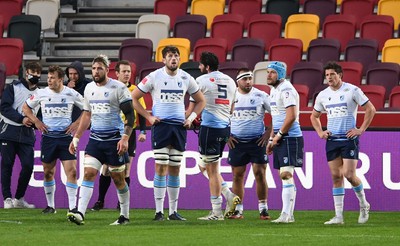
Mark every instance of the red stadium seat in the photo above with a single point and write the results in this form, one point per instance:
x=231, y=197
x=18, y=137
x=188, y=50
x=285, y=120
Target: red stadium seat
x=11, y=53
x=288, y=50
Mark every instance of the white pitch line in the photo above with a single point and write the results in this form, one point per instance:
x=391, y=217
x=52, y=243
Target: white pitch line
x=327, y=235
x=11, y=221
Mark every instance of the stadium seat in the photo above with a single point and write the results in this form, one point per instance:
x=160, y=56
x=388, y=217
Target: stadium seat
x=112, y=74
x=11, y=54
x=323, y=50
x=288, y=50
x=378, y=27
x=304, y=27
x=148, y=68
x=48, y=10
x=340, y=27
x=310, y=74
x=208, y=8
x=261, y=22
x=9, y=8
x=172, y=8
x=191, y=68
x=364, y=51
x=394, y=98
x=284, y=8
x=386, y=74
x=248, y=50
x=304, y=92
x=218, y=46
x=2, y=78
x=192, y=27
x=358, y=8
x=322, y=8
x=27, y=28
x=136, y=50
x=260, y=73
x=231, y=67
x=183, y=44
x=261, y=87
x=153, y=27
x=1, y=26
x=391, y=51
x=245, y=8
x=392, y=8
x=352, y=72
x=376, y=95
x=228, y=26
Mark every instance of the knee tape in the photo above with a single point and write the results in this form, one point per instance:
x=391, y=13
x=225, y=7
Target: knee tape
x=175, y=157
x=161, y=156
x=116, y=169
x=92, y=162
x=205, y=159
x=289, y=169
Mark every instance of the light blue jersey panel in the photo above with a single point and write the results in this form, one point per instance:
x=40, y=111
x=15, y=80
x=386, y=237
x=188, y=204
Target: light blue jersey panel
x=104, y=104
x=248, y=115
x=341, y=107
x=56, y=108
x=168, y=93
x=283, y=96
x=219, y=91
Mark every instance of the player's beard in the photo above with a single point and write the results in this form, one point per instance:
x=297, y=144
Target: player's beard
x=99, y=79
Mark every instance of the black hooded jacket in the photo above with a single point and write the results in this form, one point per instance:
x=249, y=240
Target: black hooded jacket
x=80, y=85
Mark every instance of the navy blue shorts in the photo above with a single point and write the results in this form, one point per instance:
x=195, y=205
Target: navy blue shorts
x=55, y=148
x=132, y=144
x=289, y=152
x=212, y=141
x=163, y=135
x=247, y=152
x=106, y=152
x=347, y=149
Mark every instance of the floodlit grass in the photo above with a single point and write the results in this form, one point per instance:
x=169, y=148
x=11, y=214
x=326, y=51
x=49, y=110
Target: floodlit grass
x=30, y=227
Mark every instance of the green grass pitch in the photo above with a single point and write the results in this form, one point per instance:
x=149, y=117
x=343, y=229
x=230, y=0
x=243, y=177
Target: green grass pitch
x=30, y=227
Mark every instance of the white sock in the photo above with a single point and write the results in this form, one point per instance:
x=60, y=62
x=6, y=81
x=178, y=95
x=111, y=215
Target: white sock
x=216, y=203
x=124, y=201
x=359, y=190
x=226, y=192
x=173, y=188
x=72, y=191
x=49, y=190
x=85, y=194
x=338, y=200
x=240, y=208
x=262, y=204
x=160, y=187
x=287, y=198
x=293, y=202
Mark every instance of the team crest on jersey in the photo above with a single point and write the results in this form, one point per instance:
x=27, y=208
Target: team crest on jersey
x=341, y=97
x=287, y=94
x=329, y=98
x=63, y=100
x=180, y=84
x=49, y=99
x=252, y=101
x=165, y=82
x=184, y=77
x=106, y=94
x=92, y=93
x=285, y=160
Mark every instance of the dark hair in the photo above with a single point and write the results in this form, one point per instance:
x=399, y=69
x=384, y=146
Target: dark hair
x=121, y=62
x=242, y=69
x=209, y=59
x=57, y=69
x=333, y=65
x=169, y=48
x=34, y=67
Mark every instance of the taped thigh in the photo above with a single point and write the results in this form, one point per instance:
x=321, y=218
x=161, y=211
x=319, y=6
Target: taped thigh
x=92, y=162
x=161, y=156
x=175, y=157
